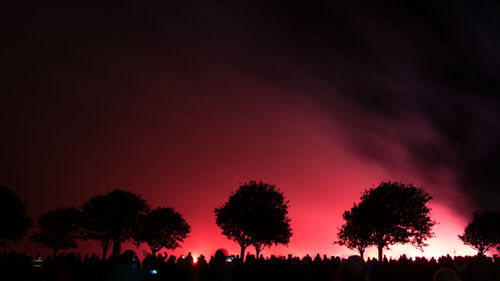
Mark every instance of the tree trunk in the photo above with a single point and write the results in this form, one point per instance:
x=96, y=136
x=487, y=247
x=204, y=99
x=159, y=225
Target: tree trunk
x=117, y=247
x=242, y=254
x=257, y=252
x=104, y=251
x=380, y=249
x=154, y=250
x=361, y=253
x=481, y=251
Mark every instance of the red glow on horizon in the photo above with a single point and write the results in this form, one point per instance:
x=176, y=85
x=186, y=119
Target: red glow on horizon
x=445, y=243
x=303, y=152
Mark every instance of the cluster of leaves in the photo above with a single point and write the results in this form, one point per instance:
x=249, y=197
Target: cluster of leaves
x=389, y=214
x=355, y=233
x=58, y=229
x=162, y=228
x=256, y=214
x=113, y=217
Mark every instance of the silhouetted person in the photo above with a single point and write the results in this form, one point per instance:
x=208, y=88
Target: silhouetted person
x=201, y=262
x=219, y=257
x=353, y=269
x=317, y=259
x=483, y=270
x=128, y=268
x=189, y=259
x=220, y=267
x=446, y=274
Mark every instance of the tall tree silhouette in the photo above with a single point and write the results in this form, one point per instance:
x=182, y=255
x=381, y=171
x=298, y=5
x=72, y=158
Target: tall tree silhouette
x=58, y=229
x=483, y=232
x=96, y=220
x=162, y=228
x=14, y=220
x=355, y=233
x=112, y=217
x=394, y=213
x=256, y=214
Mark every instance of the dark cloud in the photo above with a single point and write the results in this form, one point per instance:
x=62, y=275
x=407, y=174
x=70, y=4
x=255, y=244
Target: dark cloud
x=424, y=77
x=427, y=78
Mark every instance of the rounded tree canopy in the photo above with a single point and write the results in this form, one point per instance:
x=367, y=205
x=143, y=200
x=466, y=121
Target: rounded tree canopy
x=58, y=229
x=115, y=212
x=257, y=213
x=162, y=228
x=397, y=213
x=388, y=214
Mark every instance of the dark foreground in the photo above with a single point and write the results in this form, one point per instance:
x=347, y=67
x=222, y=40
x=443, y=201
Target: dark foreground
x=73, y=267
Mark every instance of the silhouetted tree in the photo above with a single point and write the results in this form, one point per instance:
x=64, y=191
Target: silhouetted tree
x=112, y=217
x=14, y=220
x=273, y=226
x=95, y=222
x=395, y=213
x=256, y=214
x=355, y=233
x=162, y=228
x=483, y=232
x=58, y=229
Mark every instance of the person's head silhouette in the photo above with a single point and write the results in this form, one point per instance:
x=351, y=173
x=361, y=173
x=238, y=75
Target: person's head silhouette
x=353, y=269
x=446, y=274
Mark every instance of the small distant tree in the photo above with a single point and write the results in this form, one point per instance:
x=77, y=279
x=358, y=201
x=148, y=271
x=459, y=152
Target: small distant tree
x=355, y=233
x=58, y=230
x=162, y=228
x=391, y=213
x=256, y=214
x=483, y=232
x=14, y=220
x=112, y=217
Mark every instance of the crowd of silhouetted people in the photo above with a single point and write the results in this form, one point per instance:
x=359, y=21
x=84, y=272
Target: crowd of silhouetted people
x=18, y=266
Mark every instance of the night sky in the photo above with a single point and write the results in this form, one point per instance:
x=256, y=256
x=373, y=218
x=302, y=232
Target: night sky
x=182, y=103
